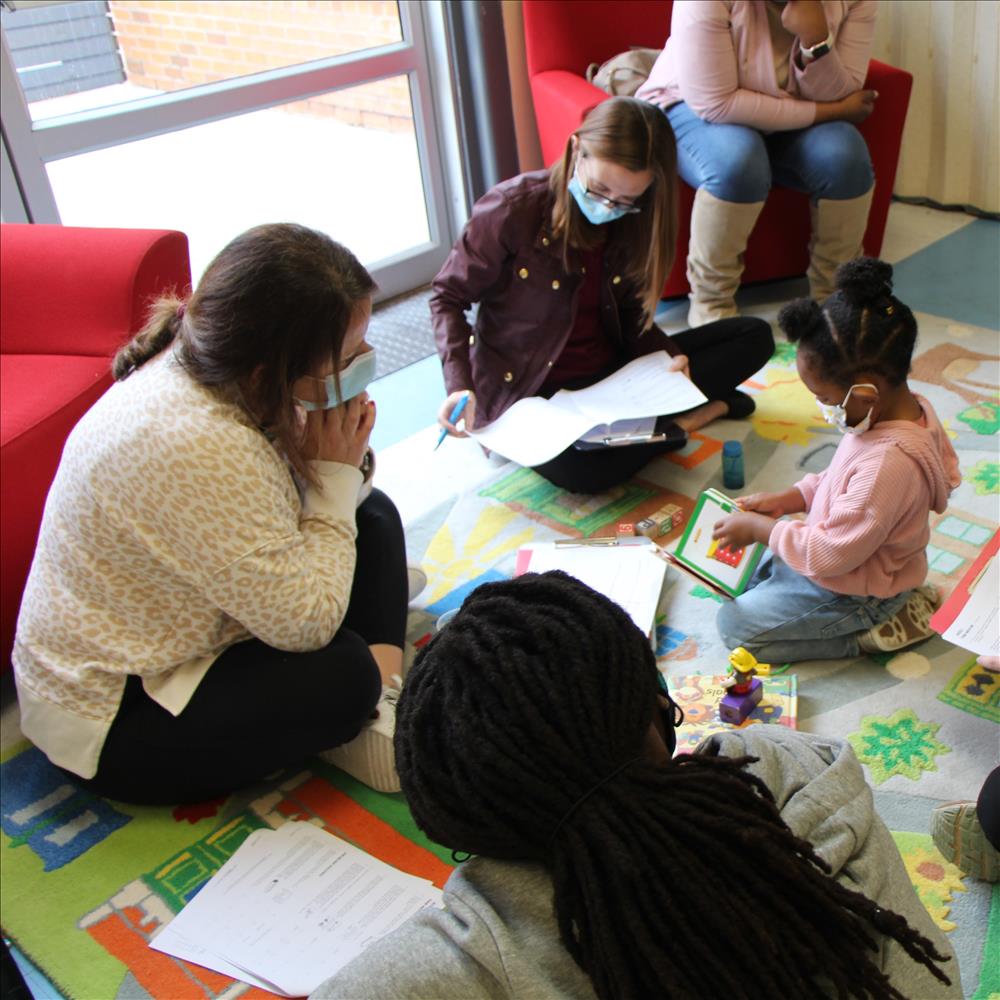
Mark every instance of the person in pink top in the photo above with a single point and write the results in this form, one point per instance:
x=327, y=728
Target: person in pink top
x=849, y=578
x=762, y=90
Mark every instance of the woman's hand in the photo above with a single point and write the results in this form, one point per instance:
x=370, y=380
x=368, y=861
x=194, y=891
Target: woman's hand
x=468, y=416
x=774, y=504
x=806, y=20
x=854, y=108
x=679, y=363
x=341, y=433
x=738, y=530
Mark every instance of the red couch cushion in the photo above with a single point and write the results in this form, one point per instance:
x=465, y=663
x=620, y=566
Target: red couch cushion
x=70, y=298
x=43, y=396
x=35, y=388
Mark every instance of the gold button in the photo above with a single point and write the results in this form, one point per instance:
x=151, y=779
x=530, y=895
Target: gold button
x=583, y=270
x=616, y=280
x=545, y=241
x=508, y=376
x=523, y=273
x=472, y=340
x=555, y=286
x=550, y=364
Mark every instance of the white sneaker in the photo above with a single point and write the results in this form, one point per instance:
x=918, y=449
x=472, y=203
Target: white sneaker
x=370, y=756
x=417, y=580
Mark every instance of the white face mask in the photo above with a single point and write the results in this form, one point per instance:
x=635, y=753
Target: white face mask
x=837, y=415
x=354, y=380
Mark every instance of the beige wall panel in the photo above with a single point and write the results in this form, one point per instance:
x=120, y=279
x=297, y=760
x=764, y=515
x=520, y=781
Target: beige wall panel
x=951, y=144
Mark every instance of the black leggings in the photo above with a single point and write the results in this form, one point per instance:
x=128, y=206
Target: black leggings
x=988, y=807
x=721, y=355
x=260, y=709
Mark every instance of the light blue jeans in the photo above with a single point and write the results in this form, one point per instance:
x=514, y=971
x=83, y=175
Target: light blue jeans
x=784, y=617
x=739, y=163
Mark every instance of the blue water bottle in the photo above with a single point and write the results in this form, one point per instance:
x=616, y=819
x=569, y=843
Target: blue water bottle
x=732, y=465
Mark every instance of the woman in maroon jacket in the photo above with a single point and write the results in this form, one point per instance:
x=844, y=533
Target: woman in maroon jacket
x=566, y=266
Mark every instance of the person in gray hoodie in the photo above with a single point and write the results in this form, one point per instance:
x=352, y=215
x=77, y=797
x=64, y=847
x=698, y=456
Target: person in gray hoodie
x=533, y=732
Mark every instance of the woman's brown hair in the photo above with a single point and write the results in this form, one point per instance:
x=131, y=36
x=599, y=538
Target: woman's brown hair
x=637, y=136
x=273, y=305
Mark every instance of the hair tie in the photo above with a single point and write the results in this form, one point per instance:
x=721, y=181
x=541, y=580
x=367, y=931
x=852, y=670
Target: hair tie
x=586, y=795
x=455, y=856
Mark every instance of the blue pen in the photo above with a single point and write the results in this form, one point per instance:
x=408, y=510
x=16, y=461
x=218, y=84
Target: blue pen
x=455, y=414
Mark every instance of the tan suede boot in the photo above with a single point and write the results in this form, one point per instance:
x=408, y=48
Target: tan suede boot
x=838, y=227
x=719, y=234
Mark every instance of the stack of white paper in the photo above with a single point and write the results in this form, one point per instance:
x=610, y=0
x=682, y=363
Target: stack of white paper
x=534, y=430
x=631, y=575
x=290, y=908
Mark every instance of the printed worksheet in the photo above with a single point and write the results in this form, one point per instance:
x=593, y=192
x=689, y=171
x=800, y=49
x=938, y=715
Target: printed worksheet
x=291, y=907
x=535, y=430
x=970, y=617
x=631, y=575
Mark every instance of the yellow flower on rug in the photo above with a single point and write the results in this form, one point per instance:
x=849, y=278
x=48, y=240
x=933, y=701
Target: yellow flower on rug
x=897, y=744
x=786, y=409
x=934, y=878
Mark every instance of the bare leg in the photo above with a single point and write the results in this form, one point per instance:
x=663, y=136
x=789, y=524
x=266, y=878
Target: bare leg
x=697, y=418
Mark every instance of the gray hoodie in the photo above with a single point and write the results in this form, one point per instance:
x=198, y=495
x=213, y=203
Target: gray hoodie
x=497, y=937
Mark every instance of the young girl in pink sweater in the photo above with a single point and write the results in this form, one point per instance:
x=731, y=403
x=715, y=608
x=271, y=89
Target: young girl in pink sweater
x=849, y=578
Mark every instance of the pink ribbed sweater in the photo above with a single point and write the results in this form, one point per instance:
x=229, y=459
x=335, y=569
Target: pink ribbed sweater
x=866, y=531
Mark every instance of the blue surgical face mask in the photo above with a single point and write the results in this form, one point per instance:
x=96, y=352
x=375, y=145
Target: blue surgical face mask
x=354, y=379
x=837, y=415
x=595, y=211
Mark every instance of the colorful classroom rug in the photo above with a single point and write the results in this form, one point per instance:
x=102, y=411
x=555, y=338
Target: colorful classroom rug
x=86, y=882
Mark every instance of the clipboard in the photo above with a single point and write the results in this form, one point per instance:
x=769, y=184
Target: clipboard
x=628, y=432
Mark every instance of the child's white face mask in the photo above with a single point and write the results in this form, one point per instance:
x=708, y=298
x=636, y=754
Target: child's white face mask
x=837, y=415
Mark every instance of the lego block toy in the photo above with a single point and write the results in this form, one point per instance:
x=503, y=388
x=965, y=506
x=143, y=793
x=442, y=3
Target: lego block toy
x=734, y=708
x=626, y=530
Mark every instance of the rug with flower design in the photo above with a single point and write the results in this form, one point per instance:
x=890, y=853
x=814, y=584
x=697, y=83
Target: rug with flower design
x=87, y=882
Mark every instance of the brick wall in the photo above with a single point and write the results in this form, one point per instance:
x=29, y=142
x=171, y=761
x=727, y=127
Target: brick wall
x=173, y=44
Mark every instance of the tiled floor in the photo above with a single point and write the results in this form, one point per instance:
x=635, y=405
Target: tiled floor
x=935, y=275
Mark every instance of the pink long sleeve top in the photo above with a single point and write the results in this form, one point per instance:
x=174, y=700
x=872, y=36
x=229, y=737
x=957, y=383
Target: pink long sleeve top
x=866, y=527
x=719, y=60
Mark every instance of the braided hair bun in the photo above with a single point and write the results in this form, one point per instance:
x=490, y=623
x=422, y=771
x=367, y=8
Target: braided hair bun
x=864, y=281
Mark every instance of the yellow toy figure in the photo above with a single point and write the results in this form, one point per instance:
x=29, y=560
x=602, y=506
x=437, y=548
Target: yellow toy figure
x=743, y=691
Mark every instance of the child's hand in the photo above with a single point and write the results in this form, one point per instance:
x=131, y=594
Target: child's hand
x=739, y=530
x=774, y=504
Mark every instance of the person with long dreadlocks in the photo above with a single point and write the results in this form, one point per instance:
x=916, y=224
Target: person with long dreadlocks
x=532, y=733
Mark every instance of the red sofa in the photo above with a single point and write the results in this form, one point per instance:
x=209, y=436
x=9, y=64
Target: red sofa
x=70, y=298
x=562, y=37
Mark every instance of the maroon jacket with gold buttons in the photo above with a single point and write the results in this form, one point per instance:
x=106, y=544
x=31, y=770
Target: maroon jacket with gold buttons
x=508, y=262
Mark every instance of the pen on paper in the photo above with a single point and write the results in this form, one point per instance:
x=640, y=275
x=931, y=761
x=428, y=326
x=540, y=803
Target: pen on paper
x=455, y=414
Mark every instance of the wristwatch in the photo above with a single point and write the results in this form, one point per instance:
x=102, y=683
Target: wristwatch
x=817, y=51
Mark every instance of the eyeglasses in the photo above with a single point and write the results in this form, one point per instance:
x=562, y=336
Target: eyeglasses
x=601, y=199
